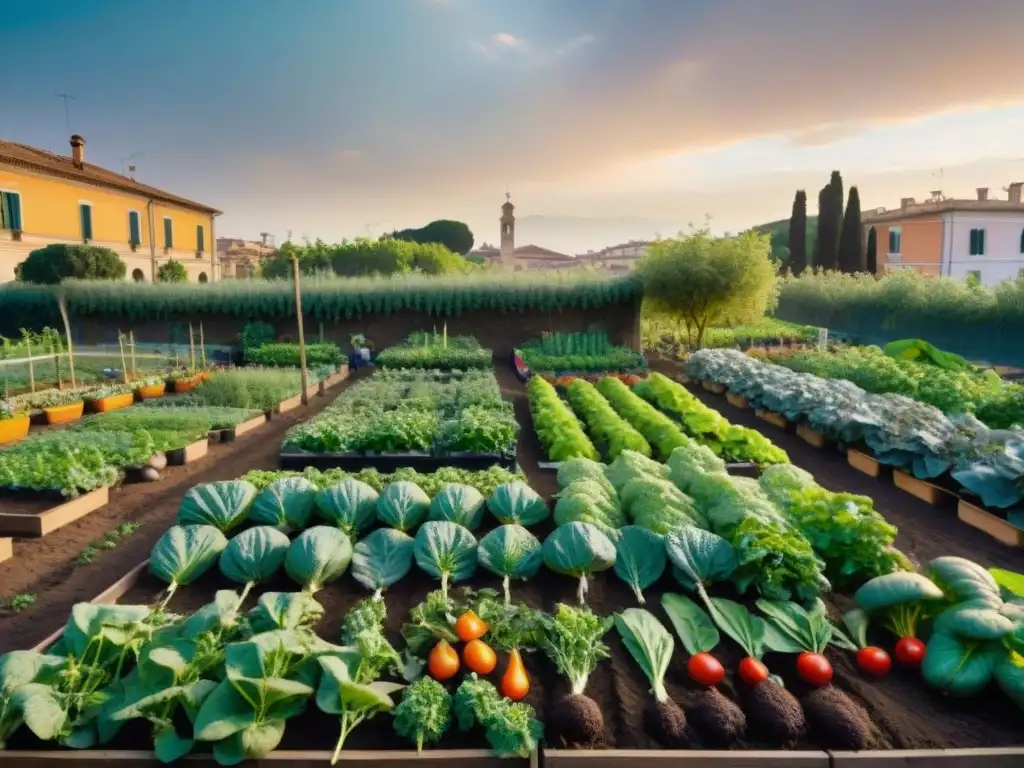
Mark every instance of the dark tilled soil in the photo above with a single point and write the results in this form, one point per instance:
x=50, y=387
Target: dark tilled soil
x=43, y=566
x=905, y=713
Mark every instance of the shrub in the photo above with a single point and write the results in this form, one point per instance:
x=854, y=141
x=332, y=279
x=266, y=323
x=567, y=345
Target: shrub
x=57, y=261
x=172, y=271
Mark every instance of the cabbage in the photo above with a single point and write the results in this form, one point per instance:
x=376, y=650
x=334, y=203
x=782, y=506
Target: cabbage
x=254, y=556
x=350, y=505
x=318, y=556
x=578, y=549
x=286, y=504
x=516, y=502
x=445, y=550
x=460, y=504
x=512, y=552
x=382, y=558
x=640, y=558
x=184, y=553
x=224, y=505
x=403, y=505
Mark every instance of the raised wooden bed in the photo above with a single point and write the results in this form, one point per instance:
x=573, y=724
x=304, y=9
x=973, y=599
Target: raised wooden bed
x=149, y=393
x=186, y=385
x=229, y=435
x=288, y=405
x=47, y=521
x=993, y=525
x=297, y=459
x=712, y=386
x=112, y=403
x=993, y=757
x=12, y=430
x=6, y=548
x=863, y=463
x=922, y=489
x=738, y=400
x=188, y=454
x=773, y=418
x=312, y=390
x=332, y=381
x=695, y=758
x=63, y=414
x=812, y=437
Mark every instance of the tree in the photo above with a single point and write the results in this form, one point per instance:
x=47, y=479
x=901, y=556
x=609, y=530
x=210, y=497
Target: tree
x=456, y=236
x=172, y=271
x=55, y=262
x=830, y=219
x=851, y=240
x=798, y=234
x=872, y=252
x=700, y=280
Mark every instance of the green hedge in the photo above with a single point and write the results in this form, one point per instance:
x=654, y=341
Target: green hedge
x=982, y=324
x=322, y=298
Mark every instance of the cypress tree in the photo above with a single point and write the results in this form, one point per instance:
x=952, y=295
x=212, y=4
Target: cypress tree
x=872, y=251
x=830, y=219
x=798, y=234
x=851, y=241
x=823, y=217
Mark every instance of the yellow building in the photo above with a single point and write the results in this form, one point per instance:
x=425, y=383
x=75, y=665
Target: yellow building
x=47, y=198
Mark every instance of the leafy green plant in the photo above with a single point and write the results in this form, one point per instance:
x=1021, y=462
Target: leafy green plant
x=184, y=553
x=460, y=504
x=318, y=556
x=517, y=502
x=640, y=558
x=557, y=427
x=223, y=504
x=578, y=549
x=579, y=352
x=511, y=552
x=17, y=604
x=287, y=504
x=512, y=728
x=287, y=355
x=381, y=559
x=425, y=712
x=445, y=550
x=351, y=505
x=254, y=556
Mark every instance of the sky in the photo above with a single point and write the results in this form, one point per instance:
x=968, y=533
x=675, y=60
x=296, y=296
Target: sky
x=604, y=119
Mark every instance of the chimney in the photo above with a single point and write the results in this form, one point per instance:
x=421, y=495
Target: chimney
x=1014, y=191
x=935, y=195
x=78, y=150
x=983, y=193
x=906, y=202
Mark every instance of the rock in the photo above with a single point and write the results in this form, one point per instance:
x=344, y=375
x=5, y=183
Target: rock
x=157, y=461
x=149, y=475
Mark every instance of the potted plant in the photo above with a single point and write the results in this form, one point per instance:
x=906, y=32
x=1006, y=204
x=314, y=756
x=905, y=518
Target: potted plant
x=14, y=421
x=184, y=381
x=110, y=398
x=150, y=387
x=60, y=406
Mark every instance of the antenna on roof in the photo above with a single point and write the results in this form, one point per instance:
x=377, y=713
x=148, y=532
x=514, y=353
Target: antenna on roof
x=67, y=113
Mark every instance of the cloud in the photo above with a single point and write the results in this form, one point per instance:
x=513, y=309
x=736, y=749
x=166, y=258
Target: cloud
x=828, y=133
x=573, y=44
x=506, y=41
x=501, y=41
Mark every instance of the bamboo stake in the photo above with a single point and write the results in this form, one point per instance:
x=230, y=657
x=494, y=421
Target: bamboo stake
x=31, y=366
x=191, y=350
x=302, y=335
x=202, y=347
x=131, y=344
x=63, y=307
x=124, y=365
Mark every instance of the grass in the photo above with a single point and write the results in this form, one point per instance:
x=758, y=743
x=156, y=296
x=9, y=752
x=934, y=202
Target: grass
x=251, y=388
x=111, y=539
x=18, y=603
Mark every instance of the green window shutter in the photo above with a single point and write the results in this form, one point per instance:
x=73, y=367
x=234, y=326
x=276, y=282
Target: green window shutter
x=199, y=237
x=168, y=233
x=10, y=211
x=134, y=234
x=86, y=214
x=974, y=242
x=1022, y=241
x=981, y=242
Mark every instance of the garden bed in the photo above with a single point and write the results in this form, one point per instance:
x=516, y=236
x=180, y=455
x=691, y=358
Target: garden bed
x=994, y=524
x=6, y=548
x=37, y=514
x=232, y=433
x=192, y=452
x=812, y=437
x=293, y=458
x=464, y=758
x=289, y=404
x=737, y=400
x=933, y=493
x=775, y=419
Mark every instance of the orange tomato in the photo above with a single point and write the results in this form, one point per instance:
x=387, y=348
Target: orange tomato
x=470, y=627
x=443, y=661
x=479, y=657
x=515, y=683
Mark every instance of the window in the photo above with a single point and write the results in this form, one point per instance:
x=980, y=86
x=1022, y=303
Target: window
x=134, y=228
x=895, y=238
x=168, y=232
x=977, y=242
x=138, y=276
x=85, y=212
x=199, y=238
x=1022, y=241
x=10, y=211
x=202, y=275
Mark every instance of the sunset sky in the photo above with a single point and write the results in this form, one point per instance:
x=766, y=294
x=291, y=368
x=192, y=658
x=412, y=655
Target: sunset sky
x=608, y=118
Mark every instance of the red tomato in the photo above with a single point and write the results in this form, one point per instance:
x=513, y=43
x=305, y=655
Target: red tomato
x=753, y=671
x=874, y=661
x=814, y=668
x=909, y=651
x=705, y=669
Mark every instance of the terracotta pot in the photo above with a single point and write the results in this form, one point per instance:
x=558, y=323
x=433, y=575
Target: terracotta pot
x=148, y=393
x=62, y=414
x=113, y=403
x=186, y=385
x=12, y=430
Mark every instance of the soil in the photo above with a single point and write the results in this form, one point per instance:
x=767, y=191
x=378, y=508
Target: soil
x=904, y=712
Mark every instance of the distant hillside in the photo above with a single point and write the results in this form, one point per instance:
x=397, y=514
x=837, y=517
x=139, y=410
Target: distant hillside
x=779, y=231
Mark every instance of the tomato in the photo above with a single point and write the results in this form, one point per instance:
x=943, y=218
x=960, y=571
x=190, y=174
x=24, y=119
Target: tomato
x=470, y=627
x=814, y=668
x=753, y=671
x=479, y=657
x=443, y=662
x=515, y=683
x=705, y=669
x=909, y=651
x=874, y=661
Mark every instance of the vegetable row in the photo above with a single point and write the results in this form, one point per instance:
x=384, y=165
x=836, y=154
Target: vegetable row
x=899, y=431
x=436, y=351
x=402, y=411
x=579, y=352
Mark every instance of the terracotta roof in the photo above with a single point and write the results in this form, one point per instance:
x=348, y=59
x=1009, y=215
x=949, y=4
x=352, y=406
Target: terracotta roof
x=535, y=251
x=939, y=207
x=24, y=156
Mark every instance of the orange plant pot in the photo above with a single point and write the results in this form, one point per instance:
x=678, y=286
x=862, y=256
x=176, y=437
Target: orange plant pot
x=62, y=414
x=186, y=385
x=113, y=403
x=148, y=393
x=12, y=430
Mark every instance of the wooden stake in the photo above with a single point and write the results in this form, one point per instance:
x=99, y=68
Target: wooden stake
x=31, y=366
x=131, y=344
x=202, y=348
x=191, y=350
x=62, y=305
x=124, y=365
x=302, y=335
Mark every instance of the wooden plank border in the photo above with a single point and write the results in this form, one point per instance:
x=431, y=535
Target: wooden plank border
x=430, y=758
x=18, y=524
x=994, y=526
x=737, y=400
x=694, y=758
x=288, y=405
x=922, y=489
x=6, y=548
x=191, y=452
x=812, y=437
x=714, y=387
x=773, y=418
x=992, y=757
x=863, y=463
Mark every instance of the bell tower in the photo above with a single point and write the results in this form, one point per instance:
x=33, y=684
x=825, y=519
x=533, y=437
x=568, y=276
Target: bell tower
x=508, y=232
